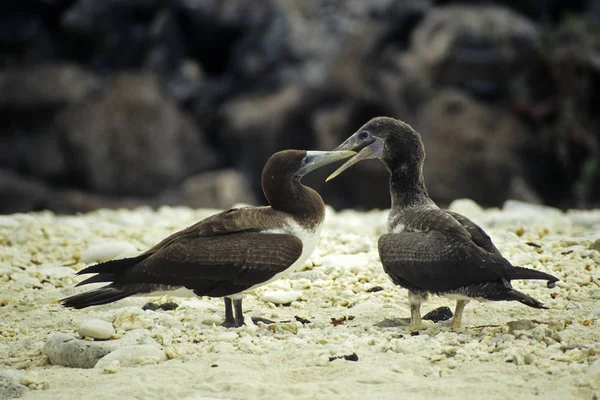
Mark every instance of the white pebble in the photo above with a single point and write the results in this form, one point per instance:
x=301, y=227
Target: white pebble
x=8, y=222
x=593, y=372
x=107, y=250
x=64, y=349
x=281, y=297
x=58, y=272
x=227, y=336
x=112, y=368
x=129, y=356
x=10, y=384
x=96, y=328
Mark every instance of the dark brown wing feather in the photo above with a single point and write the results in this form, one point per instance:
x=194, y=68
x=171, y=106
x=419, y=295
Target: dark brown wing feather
x=244, y=219
x=435, y=262
x=478, y=235
x=212, y=266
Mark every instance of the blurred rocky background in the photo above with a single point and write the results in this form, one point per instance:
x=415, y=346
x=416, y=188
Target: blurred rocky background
x=118, y=103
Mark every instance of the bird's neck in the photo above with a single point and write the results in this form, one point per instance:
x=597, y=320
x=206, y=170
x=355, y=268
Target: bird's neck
x=407, y=186
x=304, y=204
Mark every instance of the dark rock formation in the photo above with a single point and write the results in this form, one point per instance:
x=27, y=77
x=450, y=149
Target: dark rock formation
x=120, y=103
x=42, y=87
x=473, y=150
x=131, y=140
x=481, y=50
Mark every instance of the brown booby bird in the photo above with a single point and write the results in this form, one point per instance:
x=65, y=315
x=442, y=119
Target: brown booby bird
x=230, y=252
x=430, y=250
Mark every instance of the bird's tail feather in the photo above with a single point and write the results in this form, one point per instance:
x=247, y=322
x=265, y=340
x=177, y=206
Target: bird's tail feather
x=516, y=273
x=103, y=295
x=98, y=278
x=515, y=295
x=113, y=266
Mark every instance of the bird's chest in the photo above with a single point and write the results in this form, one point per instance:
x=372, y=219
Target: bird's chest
x=403, y=227
x=309, y=238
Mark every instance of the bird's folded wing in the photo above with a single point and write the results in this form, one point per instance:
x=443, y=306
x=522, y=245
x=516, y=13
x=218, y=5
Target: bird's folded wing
x=433, y=261
x=216, y=265
x=244, y=219
x=478, y=235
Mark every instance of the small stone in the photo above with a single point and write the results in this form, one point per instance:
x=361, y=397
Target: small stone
x=10, y=384
x=66, y=350
x=349, y=357
x=169, y=306
x=374, y=289
x=593, y=372
x=56, y=271
x=256, y=320
x=129, y=356
x=303, y=321
x=97, y=329
x=130, y=319
x=227, y=336
x=151, y=306
x=112, y=368
x=595, y=245
x=439, y=314
x=520, y=325
x=392, y=322
x=212, y=320
x=281, y=297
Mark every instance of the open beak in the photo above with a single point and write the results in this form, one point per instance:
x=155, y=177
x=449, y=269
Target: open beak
x=317, y=159
x=372, y=150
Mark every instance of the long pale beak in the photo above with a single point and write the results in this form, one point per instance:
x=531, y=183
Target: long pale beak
x=373, y=150
x=317, y=159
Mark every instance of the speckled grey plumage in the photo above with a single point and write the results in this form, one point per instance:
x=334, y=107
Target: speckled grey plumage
x=427, y=249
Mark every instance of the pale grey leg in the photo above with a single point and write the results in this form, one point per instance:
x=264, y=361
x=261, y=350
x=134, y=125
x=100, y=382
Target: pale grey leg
x=415, y=300
x=460, y=306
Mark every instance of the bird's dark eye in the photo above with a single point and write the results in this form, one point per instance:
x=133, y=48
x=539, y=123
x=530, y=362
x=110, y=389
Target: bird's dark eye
x=363, y=135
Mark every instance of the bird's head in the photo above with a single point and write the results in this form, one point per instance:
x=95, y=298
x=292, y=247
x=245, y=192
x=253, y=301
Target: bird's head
x=294, y=164
x=283, y=171
x=392, y=141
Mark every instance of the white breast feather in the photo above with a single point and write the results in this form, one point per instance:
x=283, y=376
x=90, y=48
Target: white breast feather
x=309, y=239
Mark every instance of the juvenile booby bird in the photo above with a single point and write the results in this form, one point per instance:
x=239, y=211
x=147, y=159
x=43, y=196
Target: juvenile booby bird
x=429, y=250
x=230, y=252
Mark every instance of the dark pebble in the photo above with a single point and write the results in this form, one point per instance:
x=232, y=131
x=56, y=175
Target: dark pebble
x=340, y=321
x=265, y=321
x=533, y=244
x=392, y=322
x=151, y=306
x=303, y=321
x=439, y=314
x=169, y=306
x=374, y=289
x=350, y=357
x=214, y=366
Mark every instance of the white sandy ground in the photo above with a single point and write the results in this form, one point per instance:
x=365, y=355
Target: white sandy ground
x=556, y=357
